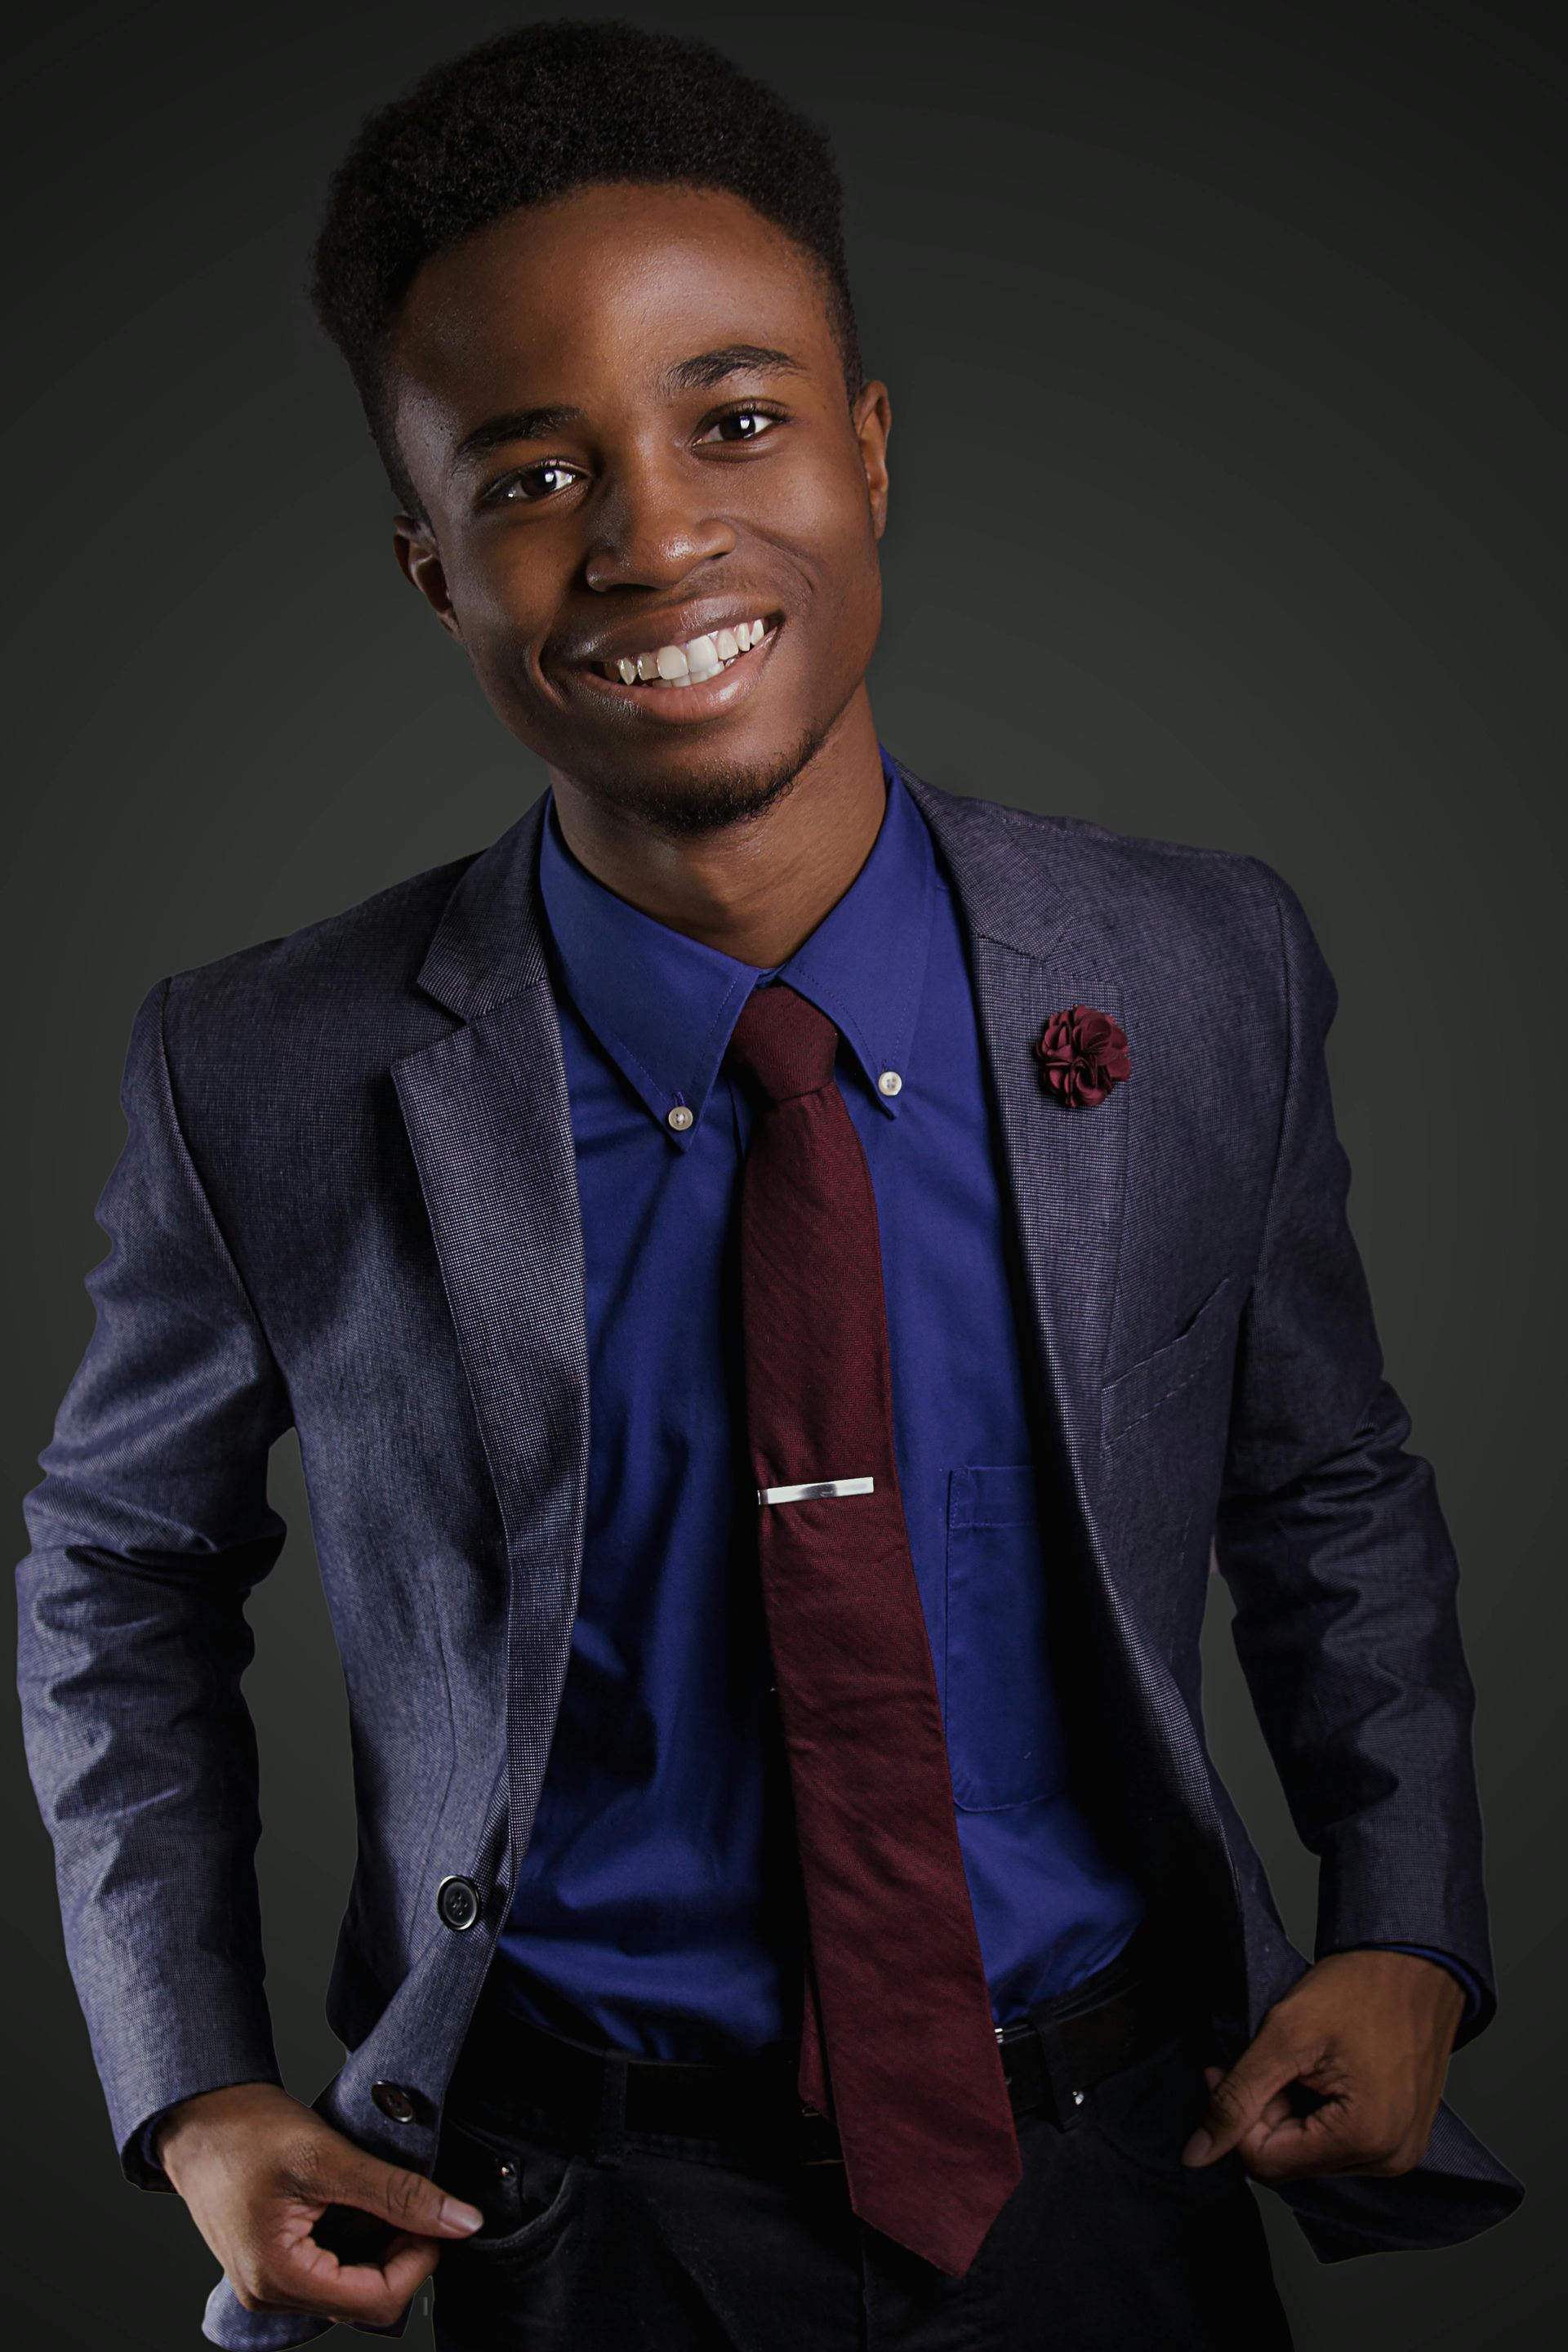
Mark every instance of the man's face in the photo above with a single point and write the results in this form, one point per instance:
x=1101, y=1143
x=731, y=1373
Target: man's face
x=626, y=416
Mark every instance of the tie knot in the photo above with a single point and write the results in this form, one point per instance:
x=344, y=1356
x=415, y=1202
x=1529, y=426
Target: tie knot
x=782, y=1042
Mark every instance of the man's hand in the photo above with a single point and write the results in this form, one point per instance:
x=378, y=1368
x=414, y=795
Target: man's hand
x=1369, y=2033
x=257, y=2170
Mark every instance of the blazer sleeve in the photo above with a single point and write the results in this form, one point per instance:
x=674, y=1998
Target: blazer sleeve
x=1331, y=1539
x=150, y=1527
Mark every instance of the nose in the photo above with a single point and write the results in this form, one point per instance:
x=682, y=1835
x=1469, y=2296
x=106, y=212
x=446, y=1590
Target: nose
x=652, y=529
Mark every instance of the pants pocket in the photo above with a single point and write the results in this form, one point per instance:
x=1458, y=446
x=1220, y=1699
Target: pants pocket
x=1148, y=2110
x=523, y=2183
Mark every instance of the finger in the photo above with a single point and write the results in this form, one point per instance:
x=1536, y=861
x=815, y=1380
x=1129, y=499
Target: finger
x=308, y=2277
x=1238, y=2100
x=408, y=2199
x=1342, y=2134
x=1335, y=2137
x=300, y=2273
x=372, y=2254
x=1275, y=2112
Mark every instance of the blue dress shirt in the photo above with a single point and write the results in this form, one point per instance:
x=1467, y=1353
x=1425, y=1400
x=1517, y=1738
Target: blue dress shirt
x=658, y=1907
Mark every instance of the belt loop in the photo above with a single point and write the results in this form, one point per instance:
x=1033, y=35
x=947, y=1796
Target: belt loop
x=612, y=2135
x=1068, y=2099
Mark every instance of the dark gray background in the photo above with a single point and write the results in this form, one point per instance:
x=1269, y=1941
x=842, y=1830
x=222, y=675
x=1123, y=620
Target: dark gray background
x=1223, y=346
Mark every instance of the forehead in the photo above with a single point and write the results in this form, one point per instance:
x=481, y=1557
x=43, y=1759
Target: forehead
x=598, y=291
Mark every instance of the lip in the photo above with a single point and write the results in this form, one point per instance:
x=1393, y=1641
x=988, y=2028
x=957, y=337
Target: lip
x=676, y=625
x=681, y=705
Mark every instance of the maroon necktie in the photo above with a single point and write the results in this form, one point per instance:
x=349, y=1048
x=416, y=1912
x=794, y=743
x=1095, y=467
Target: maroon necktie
x=897, y=2044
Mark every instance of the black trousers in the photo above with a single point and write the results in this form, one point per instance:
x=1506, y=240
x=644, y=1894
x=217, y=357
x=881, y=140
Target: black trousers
x=1107, y=2244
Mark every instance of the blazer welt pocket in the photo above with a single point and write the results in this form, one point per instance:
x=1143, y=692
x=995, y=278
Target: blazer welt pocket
x=1135, y=1394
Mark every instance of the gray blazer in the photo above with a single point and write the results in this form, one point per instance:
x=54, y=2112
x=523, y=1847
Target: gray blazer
x=348, y=1202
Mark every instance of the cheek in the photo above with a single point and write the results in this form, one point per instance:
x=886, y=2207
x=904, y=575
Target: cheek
x=828, y=523
x=502, y=596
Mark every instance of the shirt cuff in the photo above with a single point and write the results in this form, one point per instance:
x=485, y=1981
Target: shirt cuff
x=1472, y=1990
x=143, y=2144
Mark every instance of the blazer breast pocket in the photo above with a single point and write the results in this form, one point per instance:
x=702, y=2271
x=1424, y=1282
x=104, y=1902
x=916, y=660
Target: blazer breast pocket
x=1134, y=1395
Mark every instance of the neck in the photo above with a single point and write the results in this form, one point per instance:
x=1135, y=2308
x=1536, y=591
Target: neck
x=757, y=888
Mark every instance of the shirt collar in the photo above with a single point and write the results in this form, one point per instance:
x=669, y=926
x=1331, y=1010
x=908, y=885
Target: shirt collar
x=663, y=1006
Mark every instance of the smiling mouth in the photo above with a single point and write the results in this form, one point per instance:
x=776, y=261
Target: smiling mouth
x=699, y=659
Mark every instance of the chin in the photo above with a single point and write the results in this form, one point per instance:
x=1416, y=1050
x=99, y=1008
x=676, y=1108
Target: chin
x=694, y=790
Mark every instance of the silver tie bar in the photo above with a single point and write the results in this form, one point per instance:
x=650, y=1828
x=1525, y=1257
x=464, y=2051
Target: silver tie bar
x=818, y=1486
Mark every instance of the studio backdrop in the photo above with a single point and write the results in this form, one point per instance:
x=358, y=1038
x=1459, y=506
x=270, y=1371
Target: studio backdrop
x=1225, y=356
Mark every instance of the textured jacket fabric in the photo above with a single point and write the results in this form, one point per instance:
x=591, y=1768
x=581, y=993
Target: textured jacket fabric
x=347, y=1201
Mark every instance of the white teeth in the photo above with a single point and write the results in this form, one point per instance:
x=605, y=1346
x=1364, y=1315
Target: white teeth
x=690, y=664
x=702, y=660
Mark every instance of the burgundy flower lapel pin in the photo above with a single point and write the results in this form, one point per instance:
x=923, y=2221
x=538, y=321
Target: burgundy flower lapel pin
x=1083, y=1054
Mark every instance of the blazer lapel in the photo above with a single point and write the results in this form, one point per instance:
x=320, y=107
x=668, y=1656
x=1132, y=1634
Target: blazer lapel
x=1037, y=950
x=1036, y=953
x=488, y=1120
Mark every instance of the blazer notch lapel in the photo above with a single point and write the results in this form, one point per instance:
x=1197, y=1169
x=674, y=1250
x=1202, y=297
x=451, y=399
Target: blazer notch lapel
x=1036, y=950
x=490, y=942
x=488, y=1121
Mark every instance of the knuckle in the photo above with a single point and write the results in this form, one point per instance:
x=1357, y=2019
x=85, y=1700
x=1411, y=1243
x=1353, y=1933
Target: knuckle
x=404, y=2193
x=1227, y=2102
x=305, y=2164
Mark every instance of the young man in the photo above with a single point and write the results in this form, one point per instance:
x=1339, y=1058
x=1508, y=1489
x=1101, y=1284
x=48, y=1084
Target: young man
x=781, y=1274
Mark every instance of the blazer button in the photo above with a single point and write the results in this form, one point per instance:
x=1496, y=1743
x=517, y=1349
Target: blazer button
x=457, y=1901
x=393, y=2101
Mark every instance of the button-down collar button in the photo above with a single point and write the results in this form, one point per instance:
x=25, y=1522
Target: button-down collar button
x=393, y=2101
x=889, y=1082
x=458, y=1902
x=681, y=1118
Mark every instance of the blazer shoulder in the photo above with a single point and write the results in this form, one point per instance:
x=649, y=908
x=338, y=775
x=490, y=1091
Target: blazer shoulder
x=1048, y=834
x=345, y=979
x=1142, y=875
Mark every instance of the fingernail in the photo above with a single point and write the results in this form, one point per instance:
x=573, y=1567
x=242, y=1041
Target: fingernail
x=459, y=2217
x=1197, y=2148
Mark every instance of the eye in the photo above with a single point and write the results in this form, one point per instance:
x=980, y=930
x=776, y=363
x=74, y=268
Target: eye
x=532, y=482
x=750, y=423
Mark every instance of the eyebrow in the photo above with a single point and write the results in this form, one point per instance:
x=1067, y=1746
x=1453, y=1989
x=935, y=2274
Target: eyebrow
x=700, y=374
x=708, y=368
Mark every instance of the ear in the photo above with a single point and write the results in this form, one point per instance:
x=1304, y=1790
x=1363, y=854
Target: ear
x=419, y=558
x=872, y=417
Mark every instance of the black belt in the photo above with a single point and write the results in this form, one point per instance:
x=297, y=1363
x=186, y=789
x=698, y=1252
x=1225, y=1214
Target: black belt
x=511, y=2070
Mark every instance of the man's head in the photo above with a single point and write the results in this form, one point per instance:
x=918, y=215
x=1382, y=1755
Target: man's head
x=590, y=282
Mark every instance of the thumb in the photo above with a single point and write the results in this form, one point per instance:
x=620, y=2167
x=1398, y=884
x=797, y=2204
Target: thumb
x=1240, y=2099
x=408, y=2199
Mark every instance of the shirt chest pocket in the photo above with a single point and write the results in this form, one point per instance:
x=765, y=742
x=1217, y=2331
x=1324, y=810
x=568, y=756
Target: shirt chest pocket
x=1004, y=1736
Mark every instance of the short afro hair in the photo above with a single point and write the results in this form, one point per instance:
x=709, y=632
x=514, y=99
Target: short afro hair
x=527, y=117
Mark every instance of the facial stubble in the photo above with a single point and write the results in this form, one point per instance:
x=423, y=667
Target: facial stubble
x=712, y=801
